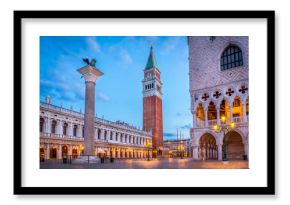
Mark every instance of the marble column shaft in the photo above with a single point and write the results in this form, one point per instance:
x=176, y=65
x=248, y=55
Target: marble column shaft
x=89, y=118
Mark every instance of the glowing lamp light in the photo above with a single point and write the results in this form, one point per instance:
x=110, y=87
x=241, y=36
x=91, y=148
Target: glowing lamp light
x=223, y=119
x=232, y=125
x=215, y=127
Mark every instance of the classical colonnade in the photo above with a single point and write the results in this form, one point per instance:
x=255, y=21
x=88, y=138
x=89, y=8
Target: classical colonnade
x=62, y=133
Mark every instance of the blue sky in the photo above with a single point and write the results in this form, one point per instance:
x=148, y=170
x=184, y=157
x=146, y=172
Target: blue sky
x=122, y=59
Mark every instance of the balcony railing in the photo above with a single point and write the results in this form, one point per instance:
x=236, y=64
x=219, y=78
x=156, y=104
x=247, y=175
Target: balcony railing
x=211, y=123
x=53, y=135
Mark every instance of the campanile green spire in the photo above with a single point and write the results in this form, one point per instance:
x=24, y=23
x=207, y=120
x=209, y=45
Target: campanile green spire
x=151, y=62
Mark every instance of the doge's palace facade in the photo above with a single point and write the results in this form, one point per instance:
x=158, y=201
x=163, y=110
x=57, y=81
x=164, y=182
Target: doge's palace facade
x=62, y=133
x=219, y=90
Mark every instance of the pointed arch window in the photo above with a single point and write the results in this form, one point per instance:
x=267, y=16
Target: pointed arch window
x=231, y=57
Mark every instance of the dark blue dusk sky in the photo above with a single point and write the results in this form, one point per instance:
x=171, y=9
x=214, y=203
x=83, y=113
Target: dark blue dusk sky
x=119, y=91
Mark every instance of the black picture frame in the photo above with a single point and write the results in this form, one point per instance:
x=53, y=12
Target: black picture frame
x=19, y=189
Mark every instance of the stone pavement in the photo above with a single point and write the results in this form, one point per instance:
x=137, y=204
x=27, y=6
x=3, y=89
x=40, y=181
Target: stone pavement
x=167, y=163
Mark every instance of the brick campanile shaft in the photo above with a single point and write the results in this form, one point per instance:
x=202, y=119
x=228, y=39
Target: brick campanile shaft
x=152, y=101
x=90, y=75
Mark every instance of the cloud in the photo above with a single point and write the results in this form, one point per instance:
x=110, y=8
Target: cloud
x=125, y=56
x=93, y=44
x=170, y=44
x=187, y=126
x=103, y=97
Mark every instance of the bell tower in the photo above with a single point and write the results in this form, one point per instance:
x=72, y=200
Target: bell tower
x=152, y=101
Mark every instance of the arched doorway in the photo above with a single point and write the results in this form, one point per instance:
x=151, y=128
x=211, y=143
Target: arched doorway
x=75, y=153
x=64, y=151
x=52, y=153
x=207, y=147
x=233, y=147
x=41, y=153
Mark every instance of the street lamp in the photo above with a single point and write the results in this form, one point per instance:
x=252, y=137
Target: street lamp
x=224, y=127
x=148, y=144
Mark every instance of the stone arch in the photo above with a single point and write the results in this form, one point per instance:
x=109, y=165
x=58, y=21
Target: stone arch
x=233, y=145
x=204, y=133
x=211, y=111
x=200, y=114
x=64, y=150
x=75, y=150
x=241, y=133
x=207, y=147
x=224, y=108
x=53, y=152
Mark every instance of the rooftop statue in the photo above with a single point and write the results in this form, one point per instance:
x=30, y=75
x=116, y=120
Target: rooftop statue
x=92, y=63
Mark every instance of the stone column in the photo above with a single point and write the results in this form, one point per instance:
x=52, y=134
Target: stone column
x=70, y=150
x=96, y=133
x=141, y=154
x=220, y=152
x=109, y=135
x=59, y=152
x=231, y=112
x=70, y=129
x=90, y=75
x=218, y=115
x=47, y=152
x=119, y=153
x=245, y=119
x=102, y=134
x=194, y=119
x=195, y=152
x=246, y=149
x=79, y=131
x=206, y=117
x=114, y=136
x=59, y=128
x=48, y=125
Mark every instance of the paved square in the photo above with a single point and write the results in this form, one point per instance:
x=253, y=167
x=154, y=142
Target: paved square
x=167, y=163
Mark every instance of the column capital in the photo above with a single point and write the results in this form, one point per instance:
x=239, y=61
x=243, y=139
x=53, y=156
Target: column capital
x=90, y=73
